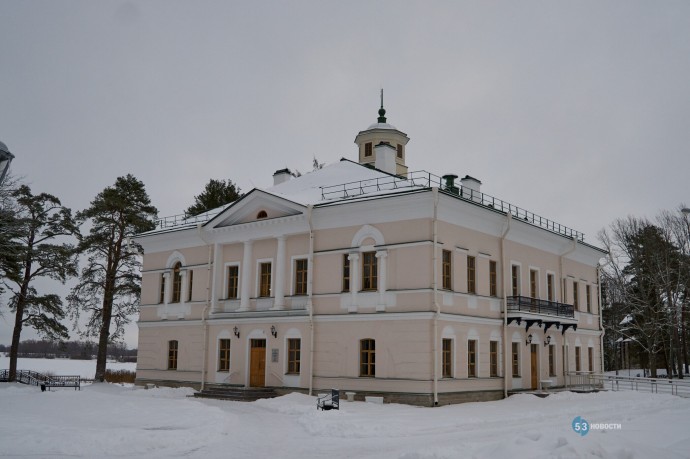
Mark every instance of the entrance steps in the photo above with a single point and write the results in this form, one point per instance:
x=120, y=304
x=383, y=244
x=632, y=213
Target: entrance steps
x=235, y=393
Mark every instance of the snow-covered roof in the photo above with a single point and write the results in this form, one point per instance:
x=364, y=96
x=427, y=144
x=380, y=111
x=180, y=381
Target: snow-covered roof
x=382, y=126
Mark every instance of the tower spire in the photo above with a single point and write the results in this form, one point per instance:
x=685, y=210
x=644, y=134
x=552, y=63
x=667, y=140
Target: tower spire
x=382, y=111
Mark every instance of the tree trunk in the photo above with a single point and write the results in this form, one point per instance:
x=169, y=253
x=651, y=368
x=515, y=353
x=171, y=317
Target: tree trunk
x=19, y=315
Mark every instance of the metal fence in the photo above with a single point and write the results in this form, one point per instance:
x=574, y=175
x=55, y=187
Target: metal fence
x=591, y=381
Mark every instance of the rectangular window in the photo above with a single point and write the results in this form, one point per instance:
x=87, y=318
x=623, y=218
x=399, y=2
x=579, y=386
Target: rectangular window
x=516, y=360
x=224, y=355
x=471, y=275
x=472, y=358
x=190, y=283
x=533, y=293
x=233, y=277
x=346, y=273
x=549, y=287
x=588, y=297
x=294, y=345
x=161, y=296
x=552, y=360
x=446, y=271
x=369, y=271
x=172, y=355
x=400, y=151
x=265, y=280
x=447, y=358
x=368, y=149
x=301, y=277
x=576, y=299
x=515, y=271
x=492, y=279
x=565, y=290
x=578, y=367
x=590, y=359
x=367, y=358
x=493, y=358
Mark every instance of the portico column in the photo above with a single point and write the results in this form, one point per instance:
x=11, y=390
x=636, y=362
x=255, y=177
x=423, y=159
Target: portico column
x=246, y=276
x=354, y=281
x=216, y=280
x=381, y=255
x=279, y=295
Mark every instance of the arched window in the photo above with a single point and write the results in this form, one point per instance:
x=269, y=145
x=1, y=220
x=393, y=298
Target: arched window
x=262, y=214
x=177, y=283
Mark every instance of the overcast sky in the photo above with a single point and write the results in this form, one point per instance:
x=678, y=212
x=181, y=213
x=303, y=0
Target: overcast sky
x=577, y=111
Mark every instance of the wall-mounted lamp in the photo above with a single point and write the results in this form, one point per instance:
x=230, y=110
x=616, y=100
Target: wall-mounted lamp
x=548, y=340
x=529, y=339
x=237, y=331
x=274, y=332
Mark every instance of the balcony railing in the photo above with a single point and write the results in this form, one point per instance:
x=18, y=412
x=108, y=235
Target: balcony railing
x=537, y=306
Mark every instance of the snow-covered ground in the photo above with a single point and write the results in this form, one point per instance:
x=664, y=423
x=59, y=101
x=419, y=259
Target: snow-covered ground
x=105, y=420
x=84, y=368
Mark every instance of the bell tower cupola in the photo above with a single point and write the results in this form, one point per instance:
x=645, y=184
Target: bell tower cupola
x=382, y=145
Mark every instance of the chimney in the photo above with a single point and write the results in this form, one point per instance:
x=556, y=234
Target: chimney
x=450, y=183
x=470, y=188
x=283, y=175
x=385, y=158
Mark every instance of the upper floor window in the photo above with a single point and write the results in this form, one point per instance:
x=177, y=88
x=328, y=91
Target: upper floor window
x=492, y=279
x=368, y=149
x=369, y=271
x=261, y=214
x=301, y=277
x=588, y=297
x=176, y=283
x=346, y=273
x=265, y=279
x=233, y=277
x=515, y=271
x=533, y=293
x=471, y=275
x=446, y=271
x=549, y=287
x=161, y=292
x=367, y=357
x=190, y=283
x=576, y=299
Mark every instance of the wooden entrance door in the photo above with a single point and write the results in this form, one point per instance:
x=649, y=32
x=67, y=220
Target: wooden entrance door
x=533, y=359
x=257, y=363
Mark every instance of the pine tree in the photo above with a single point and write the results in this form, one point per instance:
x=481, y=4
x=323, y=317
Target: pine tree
x=37, y=224
x=110, y=284
x=216, y=193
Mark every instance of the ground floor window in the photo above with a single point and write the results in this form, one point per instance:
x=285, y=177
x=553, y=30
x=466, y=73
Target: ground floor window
x=552, y=360
x=516, y=359
x=367, y=357
x=590, y=358
x=472, y=358
x=493, y=358
x=294, y=345
x=578, y=367
x=223, y=355
x=172, y=355
x=447, y=358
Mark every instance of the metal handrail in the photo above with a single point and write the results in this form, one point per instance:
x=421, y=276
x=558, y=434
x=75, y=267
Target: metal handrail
x=537, y=306
x=35, y=378
x=679, y=387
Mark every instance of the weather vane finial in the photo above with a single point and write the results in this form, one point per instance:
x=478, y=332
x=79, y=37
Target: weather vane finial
x=382, y=111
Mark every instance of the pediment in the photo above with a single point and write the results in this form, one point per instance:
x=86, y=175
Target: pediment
x=257, y=205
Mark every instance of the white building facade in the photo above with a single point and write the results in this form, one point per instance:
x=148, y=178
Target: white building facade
x=362, y=277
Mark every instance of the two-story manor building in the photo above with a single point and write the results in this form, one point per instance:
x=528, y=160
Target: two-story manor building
x=364, y=277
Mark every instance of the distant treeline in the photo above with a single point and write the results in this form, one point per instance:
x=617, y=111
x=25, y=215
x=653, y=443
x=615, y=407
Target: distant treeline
x=85, y=350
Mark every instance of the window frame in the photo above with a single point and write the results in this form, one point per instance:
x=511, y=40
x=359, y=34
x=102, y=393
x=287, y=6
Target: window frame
x=224, y=346
x=301, y=266
x=190, y=284
x=534, y=283
x=294, y=362
x=552, y=360
x=369, y=271
x=550, y=291
x=176, y=293
x=347, y=273
x=588, y=297
x=447, y=269
x=472, y=358
x=515, y=359
x=515, y=279
x=493, y=358
x=173, y=350
x=368, y=149
x=264, y=287
x=367, y=358
x=446, y=358
x=161, y=293
x=471, y=274
x=578, y=357
x=576, y=296
x=232, y=283
x=493, y=278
